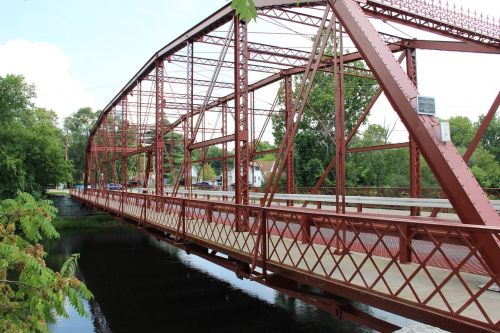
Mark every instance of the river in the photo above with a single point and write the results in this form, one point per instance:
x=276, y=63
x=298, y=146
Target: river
x=143, y=285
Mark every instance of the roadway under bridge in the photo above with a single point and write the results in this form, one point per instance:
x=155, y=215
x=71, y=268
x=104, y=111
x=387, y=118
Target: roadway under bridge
x=211, y=86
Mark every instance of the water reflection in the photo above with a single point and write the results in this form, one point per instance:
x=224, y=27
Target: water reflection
x=142, y=285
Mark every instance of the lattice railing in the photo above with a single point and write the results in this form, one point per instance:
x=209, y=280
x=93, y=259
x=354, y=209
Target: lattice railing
x=438, y=267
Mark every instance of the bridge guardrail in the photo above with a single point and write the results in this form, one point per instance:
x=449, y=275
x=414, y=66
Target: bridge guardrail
x=439, y=269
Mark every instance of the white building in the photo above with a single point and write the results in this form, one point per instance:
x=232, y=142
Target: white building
x=255, y=176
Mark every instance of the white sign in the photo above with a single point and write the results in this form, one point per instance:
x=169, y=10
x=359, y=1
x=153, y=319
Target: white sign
x=445, y=131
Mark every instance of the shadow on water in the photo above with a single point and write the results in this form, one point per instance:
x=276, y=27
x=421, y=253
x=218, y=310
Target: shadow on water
x=143, y=285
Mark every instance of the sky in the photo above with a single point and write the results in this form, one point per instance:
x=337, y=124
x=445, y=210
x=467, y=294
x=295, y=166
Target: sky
x=81, y=53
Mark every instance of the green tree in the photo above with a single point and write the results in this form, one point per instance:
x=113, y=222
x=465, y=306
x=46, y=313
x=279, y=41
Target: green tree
x=485, y=168
x=207, y=172
x=32, y=295
x=377, y=168
x=263, y=146
x=15, y=97
x=316, y=131
x=215, y=152
x=462, y=131
x=313, y=170
x=31, y=150
x=491, y=138
x=78, y=127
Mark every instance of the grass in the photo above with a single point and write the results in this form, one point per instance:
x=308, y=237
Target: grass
x=52, y=191
x=60, y=193
x=87, y=222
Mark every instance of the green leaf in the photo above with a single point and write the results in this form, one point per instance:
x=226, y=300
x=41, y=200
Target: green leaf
x=245, y=9
x=69, y=267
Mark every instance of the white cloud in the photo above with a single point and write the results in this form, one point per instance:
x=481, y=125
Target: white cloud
x=48, y=67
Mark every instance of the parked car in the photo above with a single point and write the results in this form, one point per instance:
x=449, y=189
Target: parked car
x=113, y=187
x=204, y=185
x=134, y=183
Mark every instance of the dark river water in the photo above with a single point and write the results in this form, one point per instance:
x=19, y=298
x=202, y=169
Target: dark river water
x=143, y=285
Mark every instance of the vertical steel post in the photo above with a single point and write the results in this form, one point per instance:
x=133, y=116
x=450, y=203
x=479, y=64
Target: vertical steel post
x=241, y=121
x=159, y=140
x=188, y=122
x=112, y=146
x=263, y=249
x=225, y=184
x=88, y=156
x=105, y=155
x=339, y=120
x=124, y=161
x=251, y=157
x=148, y=170
x=172, y=160
x=415, y=179
x=289, y=113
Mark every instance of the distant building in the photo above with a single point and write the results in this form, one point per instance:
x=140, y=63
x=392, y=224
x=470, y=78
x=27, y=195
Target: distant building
x=255, y=176
x=141, y=176
x=266, y=169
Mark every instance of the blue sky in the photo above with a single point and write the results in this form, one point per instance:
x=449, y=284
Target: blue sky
x=81, y=53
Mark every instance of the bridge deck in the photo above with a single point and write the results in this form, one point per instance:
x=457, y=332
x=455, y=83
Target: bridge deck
x=444, y=276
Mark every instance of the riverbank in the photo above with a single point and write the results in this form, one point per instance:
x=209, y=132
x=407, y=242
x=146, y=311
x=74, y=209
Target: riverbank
x=89, y=222
x=73, y=215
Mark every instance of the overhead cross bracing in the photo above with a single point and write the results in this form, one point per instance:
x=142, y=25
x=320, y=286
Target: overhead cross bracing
x=225, y=83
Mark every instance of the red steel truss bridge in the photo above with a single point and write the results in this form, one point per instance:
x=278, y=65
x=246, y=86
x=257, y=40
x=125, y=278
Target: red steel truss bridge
x=223, y=82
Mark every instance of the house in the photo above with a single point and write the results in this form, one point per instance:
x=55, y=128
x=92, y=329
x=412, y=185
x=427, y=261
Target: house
x=266, y=168
x=141, y=176
x=255, y=176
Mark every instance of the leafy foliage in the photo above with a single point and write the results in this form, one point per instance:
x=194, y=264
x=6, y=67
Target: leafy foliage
x=485, y=162
x=461, y=130
x=245, y=9
x=78, y=127
x=485, y=168
x=316, y=132
x=207, y=172
x=15, y=96
x=31, y=150
x=32, y=295
x=491, y=138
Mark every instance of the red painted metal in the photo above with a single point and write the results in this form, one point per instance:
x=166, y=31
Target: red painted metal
x=462, y=188
x=368, y=271
x=477, y=138
x=188, y=121
x=482, y=128
x=124, y=145
x=434, y=17
x=379, y=147
x=241, y=159
x=289, y=114
x=340, y=146
x=351, y=135
x=159, y=143
x=154, y=107
x=448, y=46
x=415, y=178
x=225, y=165
x=299, y=105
